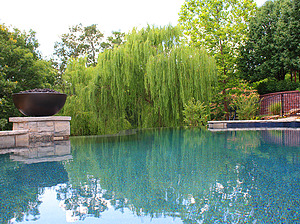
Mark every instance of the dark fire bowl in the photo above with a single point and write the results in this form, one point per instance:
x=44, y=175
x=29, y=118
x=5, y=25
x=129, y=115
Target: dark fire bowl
x=38, y=104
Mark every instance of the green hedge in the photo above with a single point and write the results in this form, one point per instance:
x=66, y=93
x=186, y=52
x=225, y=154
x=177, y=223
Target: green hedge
x=272, y=86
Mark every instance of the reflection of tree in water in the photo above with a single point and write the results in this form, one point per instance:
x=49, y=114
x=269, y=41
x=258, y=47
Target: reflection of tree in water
x=21, y=185
x=89, y=199
x=196, y=176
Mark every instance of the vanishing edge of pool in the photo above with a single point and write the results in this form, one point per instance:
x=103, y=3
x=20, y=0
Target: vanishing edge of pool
x=254, y=124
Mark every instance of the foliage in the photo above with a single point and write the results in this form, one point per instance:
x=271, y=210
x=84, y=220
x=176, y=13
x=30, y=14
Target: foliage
x=80, y=41
x=80, y=105
x=21, y=68
x=272, y=85
x=275, y=108
x=246, y=103
x=241, y=98
x=83, y=42
x=115, y=40
x=195, y=113
x=221, y=27
x=3, y=123
x=142, y=83
x=180, y=171
x=289, y=35
x=272, y=49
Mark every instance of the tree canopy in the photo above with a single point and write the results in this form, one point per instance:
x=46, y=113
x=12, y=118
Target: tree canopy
x=273, y=47
x=21, y=68
x=220, y=26
x=83, y=42
x=142, y=83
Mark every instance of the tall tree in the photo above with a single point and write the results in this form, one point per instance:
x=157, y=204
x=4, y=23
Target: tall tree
x=80, y=41
x=221, y=27
x=21, y=68
x=144, y=82
x=273, y=47
x=289, y=36
x=116, y=39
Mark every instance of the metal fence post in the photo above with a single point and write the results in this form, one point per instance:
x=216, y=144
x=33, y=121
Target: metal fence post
x=282, y=104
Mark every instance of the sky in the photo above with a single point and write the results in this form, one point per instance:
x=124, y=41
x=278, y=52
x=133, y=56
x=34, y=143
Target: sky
x=50, y=19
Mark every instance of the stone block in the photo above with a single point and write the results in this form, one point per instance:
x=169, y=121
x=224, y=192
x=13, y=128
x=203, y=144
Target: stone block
x=217, y=125
x=45, y=126
x=46, y=151
x=40, y=137
x=20, y=126
x=63, y=148
x=7, y=141
x=61, y=128
x=32, y=126
x=22, y=140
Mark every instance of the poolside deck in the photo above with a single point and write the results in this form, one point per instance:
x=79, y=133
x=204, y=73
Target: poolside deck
x=279, y=124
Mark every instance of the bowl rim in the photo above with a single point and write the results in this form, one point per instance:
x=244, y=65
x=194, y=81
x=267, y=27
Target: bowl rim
x=31, y=93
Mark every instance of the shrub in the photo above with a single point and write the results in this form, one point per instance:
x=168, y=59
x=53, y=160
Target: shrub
x=273, y=85
x=195, y=113
x=241, y=97
x=246, y=104
x=275, y=108
x=3, y=123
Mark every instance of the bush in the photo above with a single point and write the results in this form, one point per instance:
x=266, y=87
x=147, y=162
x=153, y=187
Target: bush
x=275, y=108
x=241, y=98
x=3, y=123
x=195, y=113
x=246, y=104
x=273, y=85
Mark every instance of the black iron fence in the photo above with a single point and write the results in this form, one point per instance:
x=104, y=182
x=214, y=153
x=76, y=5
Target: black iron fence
x=281, y=103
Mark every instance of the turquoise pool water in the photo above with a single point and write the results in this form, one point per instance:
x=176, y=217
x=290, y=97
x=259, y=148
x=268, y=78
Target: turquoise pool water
x=156, y=176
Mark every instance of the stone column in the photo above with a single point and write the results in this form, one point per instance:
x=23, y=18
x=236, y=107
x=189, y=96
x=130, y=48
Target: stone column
x=43, y=129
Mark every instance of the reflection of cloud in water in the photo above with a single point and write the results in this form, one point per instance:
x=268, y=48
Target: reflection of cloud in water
x=194, y=176
x=181, y=175
x=26, y=178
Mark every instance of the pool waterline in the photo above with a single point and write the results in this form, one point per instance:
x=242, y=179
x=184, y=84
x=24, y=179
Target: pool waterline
x=162, y=176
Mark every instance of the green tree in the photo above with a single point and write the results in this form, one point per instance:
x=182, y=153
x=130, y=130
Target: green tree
x=144, y=82
x=80, y=41
x=116, y=39
x=289, y=36
x=21, y=68
x=221, y=26
x=272, y=49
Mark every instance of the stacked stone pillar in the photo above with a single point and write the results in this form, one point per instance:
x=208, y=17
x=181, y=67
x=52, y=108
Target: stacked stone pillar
x=42, y=129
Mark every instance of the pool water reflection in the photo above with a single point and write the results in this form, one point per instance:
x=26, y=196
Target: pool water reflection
x=159, y=176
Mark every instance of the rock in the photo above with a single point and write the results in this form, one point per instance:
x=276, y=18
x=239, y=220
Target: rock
x=40, y=91
x=274, y=117
x=294, y=112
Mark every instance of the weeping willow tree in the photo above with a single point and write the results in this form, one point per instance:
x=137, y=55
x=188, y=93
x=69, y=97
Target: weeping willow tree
x=80, y=104
x=143, y=83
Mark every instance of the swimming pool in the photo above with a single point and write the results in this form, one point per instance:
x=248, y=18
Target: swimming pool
x=156, y=176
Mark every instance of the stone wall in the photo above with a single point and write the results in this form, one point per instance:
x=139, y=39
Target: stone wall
x=43, y=129
x=13, y=139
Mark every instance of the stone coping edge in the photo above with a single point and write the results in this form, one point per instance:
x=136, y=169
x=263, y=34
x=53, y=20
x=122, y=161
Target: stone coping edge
x=253, y=121
x=253, y=129
x=14, y=132
x=35, y=119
